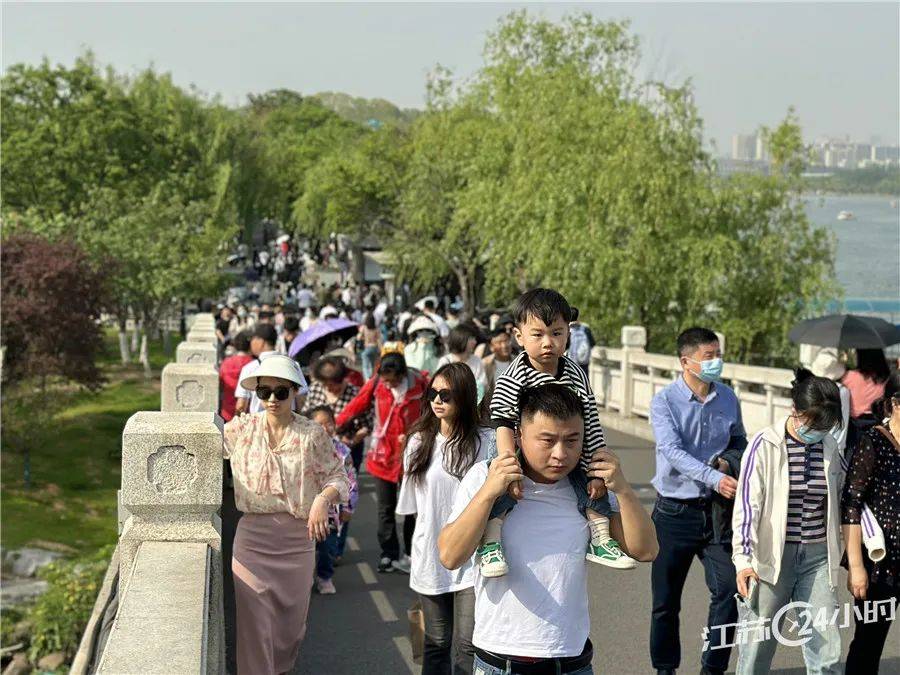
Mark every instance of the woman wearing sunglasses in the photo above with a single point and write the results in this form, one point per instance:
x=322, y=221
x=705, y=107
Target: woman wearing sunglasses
x=443, y=445
x=873, y=481
x=787, y=533
x=286, y=478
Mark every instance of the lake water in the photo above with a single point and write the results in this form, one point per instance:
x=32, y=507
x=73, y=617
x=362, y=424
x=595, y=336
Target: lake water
x=868, y=248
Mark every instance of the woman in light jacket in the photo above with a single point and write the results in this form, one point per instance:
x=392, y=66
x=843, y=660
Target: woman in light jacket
x=787, y=528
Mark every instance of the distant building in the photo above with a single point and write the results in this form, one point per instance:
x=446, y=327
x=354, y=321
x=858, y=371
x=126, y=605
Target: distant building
x=743, y=147
x=761, y=151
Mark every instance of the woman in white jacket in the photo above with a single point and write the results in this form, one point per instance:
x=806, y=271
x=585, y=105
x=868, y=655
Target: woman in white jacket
x=787, y=530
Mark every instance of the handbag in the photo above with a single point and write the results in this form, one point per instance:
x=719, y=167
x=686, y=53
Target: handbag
x=416, y=618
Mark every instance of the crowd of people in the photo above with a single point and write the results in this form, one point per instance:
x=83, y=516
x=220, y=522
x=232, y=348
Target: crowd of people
x=482, y=433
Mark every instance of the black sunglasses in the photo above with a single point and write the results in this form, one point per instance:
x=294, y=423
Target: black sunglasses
x=264, y=392
x=445, y=395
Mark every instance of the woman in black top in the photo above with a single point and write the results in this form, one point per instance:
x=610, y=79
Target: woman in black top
x=873, y=479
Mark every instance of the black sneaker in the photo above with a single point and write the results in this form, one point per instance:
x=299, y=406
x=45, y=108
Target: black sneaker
x=385, y=565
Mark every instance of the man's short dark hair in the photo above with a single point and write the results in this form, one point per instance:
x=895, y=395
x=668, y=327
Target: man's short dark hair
x=266, y=332
x=554, y=400
x=266, y=314
x=544, y=304
x=292, y=324
x=498, y=331
x=429, y=304
x=241, y=341
x=690, y=340
x=458, y=339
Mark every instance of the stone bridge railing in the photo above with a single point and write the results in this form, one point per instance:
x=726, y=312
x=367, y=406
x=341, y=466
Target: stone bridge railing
x=160, y=606
x=625, y=379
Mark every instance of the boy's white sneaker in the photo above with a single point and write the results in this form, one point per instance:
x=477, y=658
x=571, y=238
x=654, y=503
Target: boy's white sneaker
x=608, y=553
x=491, y=561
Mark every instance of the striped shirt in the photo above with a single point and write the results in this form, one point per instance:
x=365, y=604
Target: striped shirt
x=522, y=375
x=808, y=498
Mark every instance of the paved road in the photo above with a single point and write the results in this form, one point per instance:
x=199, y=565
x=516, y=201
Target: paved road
x=363, y=628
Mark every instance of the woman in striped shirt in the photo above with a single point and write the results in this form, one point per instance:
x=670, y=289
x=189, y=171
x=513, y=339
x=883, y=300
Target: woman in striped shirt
x=787, y=536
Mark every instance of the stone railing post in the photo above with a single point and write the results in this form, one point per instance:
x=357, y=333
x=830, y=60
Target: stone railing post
x=196, y=353
x=634, y=339
x=770, y=403
x=172, y=489
x=190, y=387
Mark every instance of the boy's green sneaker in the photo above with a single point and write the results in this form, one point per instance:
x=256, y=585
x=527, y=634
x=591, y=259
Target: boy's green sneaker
x=608, y=553
x=491, y=561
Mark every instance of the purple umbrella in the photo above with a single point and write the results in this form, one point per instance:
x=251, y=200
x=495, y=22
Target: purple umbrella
x=342, y=329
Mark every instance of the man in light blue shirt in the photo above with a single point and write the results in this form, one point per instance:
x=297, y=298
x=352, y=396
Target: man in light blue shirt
x=699, y=441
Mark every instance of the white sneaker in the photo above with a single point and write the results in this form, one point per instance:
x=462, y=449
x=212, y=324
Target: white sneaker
x=403, y=565
x=325, y=586
x=491, y=561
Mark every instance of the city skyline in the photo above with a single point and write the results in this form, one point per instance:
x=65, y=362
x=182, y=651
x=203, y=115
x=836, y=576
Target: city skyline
x=747, y=62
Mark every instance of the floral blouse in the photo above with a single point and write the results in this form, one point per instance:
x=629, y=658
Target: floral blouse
x=873, y=480
x=285, y=479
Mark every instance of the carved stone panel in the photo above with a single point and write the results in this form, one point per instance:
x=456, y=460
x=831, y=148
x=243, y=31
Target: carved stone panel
x=172, y=469
x=189, y=393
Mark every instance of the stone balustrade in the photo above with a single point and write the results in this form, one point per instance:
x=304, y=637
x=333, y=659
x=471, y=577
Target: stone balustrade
x=168, y=615
x=625, y=380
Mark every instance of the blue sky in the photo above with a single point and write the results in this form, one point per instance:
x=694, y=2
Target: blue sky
x=838, y=63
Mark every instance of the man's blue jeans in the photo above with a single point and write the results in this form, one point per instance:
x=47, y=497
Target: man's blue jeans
x=685, y=531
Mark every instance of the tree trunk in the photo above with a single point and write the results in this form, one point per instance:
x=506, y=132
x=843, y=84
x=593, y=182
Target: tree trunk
x=167, y=339
x=124, y=351
x=135, y=335
x=145, y=354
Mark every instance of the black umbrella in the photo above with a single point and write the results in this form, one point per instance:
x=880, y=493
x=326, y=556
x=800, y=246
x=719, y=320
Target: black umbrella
x=846, y=331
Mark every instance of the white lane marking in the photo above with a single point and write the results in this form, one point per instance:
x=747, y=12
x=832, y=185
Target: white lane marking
x=373, y=496
x=367, y=573
x=405, y=649
x=383, y=605
x=352, y=544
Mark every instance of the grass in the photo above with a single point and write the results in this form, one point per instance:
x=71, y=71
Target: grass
x=76, y=470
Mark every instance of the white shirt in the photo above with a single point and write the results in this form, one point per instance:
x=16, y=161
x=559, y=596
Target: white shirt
x=249, y=368
x=305, y=298
x=540, y=607
x=430, y=497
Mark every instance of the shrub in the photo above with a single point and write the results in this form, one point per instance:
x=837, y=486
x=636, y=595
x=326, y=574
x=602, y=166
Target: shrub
x=60, y=615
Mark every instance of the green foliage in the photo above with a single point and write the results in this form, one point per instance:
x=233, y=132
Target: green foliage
x=60, y=615
x=364, y=110
x=882, y=180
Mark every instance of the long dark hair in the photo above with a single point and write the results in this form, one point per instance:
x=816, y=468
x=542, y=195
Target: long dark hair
x=461, y=449
x=884, y=407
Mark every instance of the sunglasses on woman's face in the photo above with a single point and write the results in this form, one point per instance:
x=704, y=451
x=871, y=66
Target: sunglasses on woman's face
x=264, y=392
x=445, y=395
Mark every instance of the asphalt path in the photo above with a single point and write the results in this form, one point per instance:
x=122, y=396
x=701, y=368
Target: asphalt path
x=363, y=628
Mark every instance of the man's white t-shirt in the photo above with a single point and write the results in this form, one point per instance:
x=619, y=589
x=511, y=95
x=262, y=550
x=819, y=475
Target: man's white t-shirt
x=430, y=498
x=249, y=368
x=540, y=607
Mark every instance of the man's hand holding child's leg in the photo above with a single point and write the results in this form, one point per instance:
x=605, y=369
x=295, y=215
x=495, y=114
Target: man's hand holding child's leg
x=596, y=488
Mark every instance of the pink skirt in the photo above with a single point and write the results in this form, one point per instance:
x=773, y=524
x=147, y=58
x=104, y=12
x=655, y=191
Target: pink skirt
x=273, y=565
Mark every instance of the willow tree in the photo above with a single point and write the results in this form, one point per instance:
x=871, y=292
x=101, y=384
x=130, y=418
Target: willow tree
x=605, y=192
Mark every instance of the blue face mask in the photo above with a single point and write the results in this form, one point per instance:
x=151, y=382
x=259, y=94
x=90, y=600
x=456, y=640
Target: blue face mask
x=710, y=369
x=808, y=436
